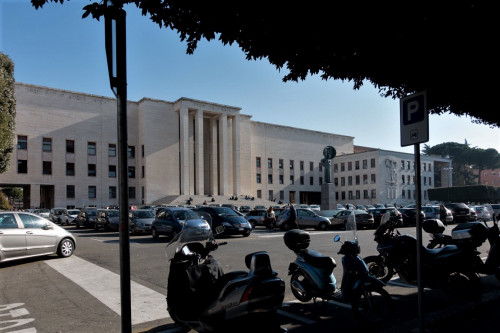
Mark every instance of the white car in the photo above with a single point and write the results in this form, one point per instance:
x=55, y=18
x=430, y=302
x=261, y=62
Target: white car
x=482, y=213
x=314, y=207
x=70, y=217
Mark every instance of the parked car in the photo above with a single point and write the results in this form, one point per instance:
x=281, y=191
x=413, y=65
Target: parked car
x=170, y=221
x=70, y=217
x=461, y=212
x=410, y=216
x=256, y=217
x=315, y=207
x=260, y=207
x=140, y=221
x=43, y=212
x=433, y=212
x=306, y=218
x=245, y=209
x=482, y=213
x=363, y=218
x=378, y=212
x=25, y=235
x=55, y=214
x=233, y=223
x=86, y=218
x=496, y=210
x=108, y=219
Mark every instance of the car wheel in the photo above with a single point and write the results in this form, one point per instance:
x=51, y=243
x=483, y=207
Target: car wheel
x=323, y=226
x=252, y=223
x=66, y=248
x=246, y=233
x=155, y=233
x=133, y=230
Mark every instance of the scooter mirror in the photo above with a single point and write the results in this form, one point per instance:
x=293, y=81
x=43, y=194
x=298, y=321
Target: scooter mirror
x=336, y=238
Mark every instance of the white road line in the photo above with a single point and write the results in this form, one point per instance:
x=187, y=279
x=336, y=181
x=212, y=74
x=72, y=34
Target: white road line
x=147, y=304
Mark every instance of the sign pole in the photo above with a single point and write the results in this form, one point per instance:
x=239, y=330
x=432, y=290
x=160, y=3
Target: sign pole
x=419, y=239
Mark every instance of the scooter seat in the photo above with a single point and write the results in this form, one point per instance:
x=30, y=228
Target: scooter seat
x=318, y=260
x=441, y=250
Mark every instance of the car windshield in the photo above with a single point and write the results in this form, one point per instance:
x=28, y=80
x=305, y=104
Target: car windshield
x=223, y=211
x=185, y=215
x=114, y=213
x=143, y=214
x=73, y=212
x=92, y=212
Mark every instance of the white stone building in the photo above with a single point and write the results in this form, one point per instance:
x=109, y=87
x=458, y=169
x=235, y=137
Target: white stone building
x=66, y=154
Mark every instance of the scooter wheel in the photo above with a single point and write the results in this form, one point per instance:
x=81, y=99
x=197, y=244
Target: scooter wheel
x=378, y=268
x=300, y=287
x=372, y=305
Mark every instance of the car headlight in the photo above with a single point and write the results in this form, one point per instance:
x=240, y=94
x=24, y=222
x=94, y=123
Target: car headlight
x=139, y=224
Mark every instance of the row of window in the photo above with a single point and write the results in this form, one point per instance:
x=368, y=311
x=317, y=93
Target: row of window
x=357, y=180
x=281, y=164
x=92, y=192
x=292, y=179
x=364, y=165
x=22, y=144
x=372, y=194
x=22, y=167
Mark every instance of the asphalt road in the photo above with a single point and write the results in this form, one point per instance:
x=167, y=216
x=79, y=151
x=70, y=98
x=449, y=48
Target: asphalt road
x=82, y=293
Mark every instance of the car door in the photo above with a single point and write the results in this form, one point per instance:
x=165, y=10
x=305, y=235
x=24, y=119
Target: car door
x=306, y=218
x=12, y=237
x=40, y=235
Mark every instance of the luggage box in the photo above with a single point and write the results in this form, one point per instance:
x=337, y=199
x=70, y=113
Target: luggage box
x=470, y=233
x=296, y=239
x=433, y=226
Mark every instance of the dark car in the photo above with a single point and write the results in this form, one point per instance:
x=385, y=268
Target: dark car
x=233, y=223
x=170, y=221
x=410, y=216
x=378, y=212
x=363, y=218
x=461, y=212
x=108, y=219
x=86, y=218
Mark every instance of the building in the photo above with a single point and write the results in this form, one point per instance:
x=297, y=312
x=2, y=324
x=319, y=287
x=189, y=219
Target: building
x=66, y=154
x=490, y=177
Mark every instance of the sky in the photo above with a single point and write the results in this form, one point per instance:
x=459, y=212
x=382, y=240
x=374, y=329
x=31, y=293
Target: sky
x=55, y=47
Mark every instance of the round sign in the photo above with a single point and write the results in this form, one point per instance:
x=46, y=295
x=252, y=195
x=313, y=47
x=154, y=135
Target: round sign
x=329, y=152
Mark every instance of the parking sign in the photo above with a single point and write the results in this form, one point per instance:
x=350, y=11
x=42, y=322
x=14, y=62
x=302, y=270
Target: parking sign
x=414, y=120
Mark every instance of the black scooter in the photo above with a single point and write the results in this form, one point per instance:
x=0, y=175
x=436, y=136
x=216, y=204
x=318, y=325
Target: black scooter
x=201, y=297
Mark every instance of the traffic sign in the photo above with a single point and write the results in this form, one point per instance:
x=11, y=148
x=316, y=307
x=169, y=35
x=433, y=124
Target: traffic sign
x=414, y=120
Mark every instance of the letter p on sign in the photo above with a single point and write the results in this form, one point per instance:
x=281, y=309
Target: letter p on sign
x=414, y=120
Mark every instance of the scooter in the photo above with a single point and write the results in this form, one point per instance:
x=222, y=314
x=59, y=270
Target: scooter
x=448, y=268
x=312, y=277
x=200, y=296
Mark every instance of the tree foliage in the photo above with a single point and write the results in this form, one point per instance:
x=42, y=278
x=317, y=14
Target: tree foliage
x=4, y=203
x=466, y=160
x=401, y=47
x=7, y=111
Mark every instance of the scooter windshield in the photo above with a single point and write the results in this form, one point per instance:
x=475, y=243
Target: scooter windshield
x=384, y=219
x=193, y=231
x=351, y=227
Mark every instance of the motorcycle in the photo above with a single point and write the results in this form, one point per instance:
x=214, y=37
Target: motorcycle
x=468, y=237
x=312, y=277
x=447, y=268
x=201, y=297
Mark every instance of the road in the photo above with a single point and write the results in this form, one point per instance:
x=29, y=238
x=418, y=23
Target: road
x=82, y=293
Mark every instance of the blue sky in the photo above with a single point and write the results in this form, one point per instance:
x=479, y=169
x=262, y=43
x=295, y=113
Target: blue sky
x=55, y=47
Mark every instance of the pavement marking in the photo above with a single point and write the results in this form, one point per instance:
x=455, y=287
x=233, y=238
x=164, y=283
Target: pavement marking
x=147, y=304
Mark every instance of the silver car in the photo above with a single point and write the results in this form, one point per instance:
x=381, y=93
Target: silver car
x=306, y=218
x=25, y=235
x=140, y=221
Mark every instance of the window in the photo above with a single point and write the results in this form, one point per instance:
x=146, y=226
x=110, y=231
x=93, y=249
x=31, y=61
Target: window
x=429, y=168
x=350, y=195
x=131, y=152
x=425, y=180
x=372, y=163
x=91, y=170
x=335, y=167
x=409, y=194
x=320, y=167
x=142, y=193
x=112, y=171
x=342, y=181
x=22, y=166
x=402, y=179
x=291, y=164
x=374, y=193
x=365, y=164
x=281, y=179
x=269, y=163
x=142, y=151
x=301, y=180
x=259, y=194
x=112, y=192
x=280, y=164
x=349, y=181
x=301, y=165
x=47, y=168
x=70, y=169
x=343, y=195
x=22, y=142
x=349, y=166
x=365, y=179
x=143, y=171
x=47, y=144
x=408, y=165
x=403, y=194
x=92, y=192
x=70, y=191
x=402, y=164
x=342, y=167
x=131, y=192
x=292, y=179
x=311, y=166
x=336, y=181
x=358, y=194
x=112, y=150
x=311, y=180
x=257, y=162
x=430, y=181
x=131, y=172
x=270, y=195
x=91, y=148
x=365, y=194
x=258, y=180
x=70, y=146
x=269, y=179
x=282, y=195
x=408, y=179
x=358, y=180
x=425, y=167
x=321, y=180
x=336, y=195
x=373, y=178
x=356, y=165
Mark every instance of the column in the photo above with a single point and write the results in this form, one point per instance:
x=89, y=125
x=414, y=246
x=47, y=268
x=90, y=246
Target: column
x=214, y=178
x=236, y=156
x=200, y=181
x=184, y=150
x=223, y=154
x=34, y=195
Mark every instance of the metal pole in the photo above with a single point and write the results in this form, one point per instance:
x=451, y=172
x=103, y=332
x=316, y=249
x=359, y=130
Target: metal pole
x=419, y=239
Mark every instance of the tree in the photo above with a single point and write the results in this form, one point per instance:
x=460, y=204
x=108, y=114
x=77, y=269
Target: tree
x=401, y=47
x=4, y=203
x=7, y=111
